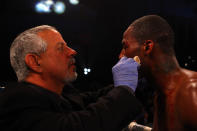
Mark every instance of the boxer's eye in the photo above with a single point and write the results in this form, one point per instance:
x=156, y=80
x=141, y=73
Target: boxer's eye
x=124, y=46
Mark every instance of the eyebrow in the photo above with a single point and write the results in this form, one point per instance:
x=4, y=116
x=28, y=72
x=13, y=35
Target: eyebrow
x=61, y=43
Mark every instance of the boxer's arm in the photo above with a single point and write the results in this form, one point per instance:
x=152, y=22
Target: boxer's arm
x=186, y=105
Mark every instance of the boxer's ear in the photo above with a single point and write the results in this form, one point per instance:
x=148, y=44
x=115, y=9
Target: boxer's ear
x=148, y=46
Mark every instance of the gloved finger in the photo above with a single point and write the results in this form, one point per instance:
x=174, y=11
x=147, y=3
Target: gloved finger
x=137, y=64
x=123, y=59
x=132, y=61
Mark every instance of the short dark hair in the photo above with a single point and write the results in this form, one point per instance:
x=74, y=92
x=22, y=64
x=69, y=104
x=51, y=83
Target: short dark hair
x=154, y=27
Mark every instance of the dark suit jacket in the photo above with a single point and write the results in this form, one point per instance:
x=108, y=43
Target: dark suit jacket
x=26, y=107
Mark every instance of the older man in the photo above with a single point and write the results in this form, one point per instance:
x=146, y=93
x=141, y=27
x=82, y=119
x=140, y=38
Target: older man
x=44, y=65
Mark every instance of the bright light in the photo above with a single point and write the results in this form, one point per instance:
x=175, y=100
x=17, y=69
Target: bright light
x=41, y=7
x=2, y=87
x=49, y=2
x=47, y=6
x=44, y=6
x=86, y=70
x=59, y=7
x=89, y=70
x=74, y=2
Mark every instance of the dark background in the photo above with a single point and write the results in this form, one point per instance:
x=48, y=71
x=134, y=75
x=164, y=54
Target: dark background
x=94, y=29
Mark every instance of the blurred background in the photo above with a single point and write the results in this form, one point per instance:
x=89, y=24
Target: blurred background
x=94, y=28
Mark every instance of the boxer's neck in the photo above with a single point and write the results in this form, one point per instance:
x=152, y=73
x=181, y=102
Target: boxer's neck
x=165, y=72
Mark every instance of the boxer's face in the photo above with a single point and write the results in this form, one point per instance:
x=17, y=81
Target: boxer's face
x=131, y=47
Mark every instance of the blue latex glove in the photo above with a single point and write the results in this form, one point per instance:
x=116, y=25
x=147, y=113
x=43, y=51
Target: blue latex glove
x=125, y=72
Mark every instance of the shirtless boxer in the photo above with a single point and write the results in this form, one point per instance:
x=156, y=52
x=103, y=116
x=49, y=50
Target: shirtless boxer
x=152, y=39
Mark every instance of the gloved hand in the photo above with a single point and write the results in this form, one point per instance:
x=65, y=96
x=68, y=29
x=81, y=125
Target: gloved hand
x=125, y=72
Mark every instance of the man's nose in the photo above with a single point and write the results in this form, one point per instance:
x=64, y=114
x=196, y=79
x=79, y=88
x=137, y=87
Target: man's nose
x=72, y=52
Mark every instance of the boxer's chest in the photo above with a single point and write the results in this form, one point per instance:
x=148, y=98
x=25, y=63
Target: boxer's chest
x=172, y=121
x=170, y=111
x=166, y=112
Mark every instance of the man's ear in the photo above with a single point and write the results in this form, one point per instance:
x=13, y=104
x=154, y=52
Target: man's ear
x=148, y=46
x=33, y=62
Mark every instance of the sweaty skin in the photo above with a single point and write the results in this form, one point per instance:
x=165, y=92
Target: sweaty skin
x=175, y=102
x=176, y=106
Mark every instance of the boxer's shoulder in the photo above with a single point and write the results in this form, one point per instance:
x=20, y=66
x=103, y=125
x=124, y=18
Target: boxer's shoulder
x=188, y=81
x=188, y=87
x=186, y=100
x=191, y=75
